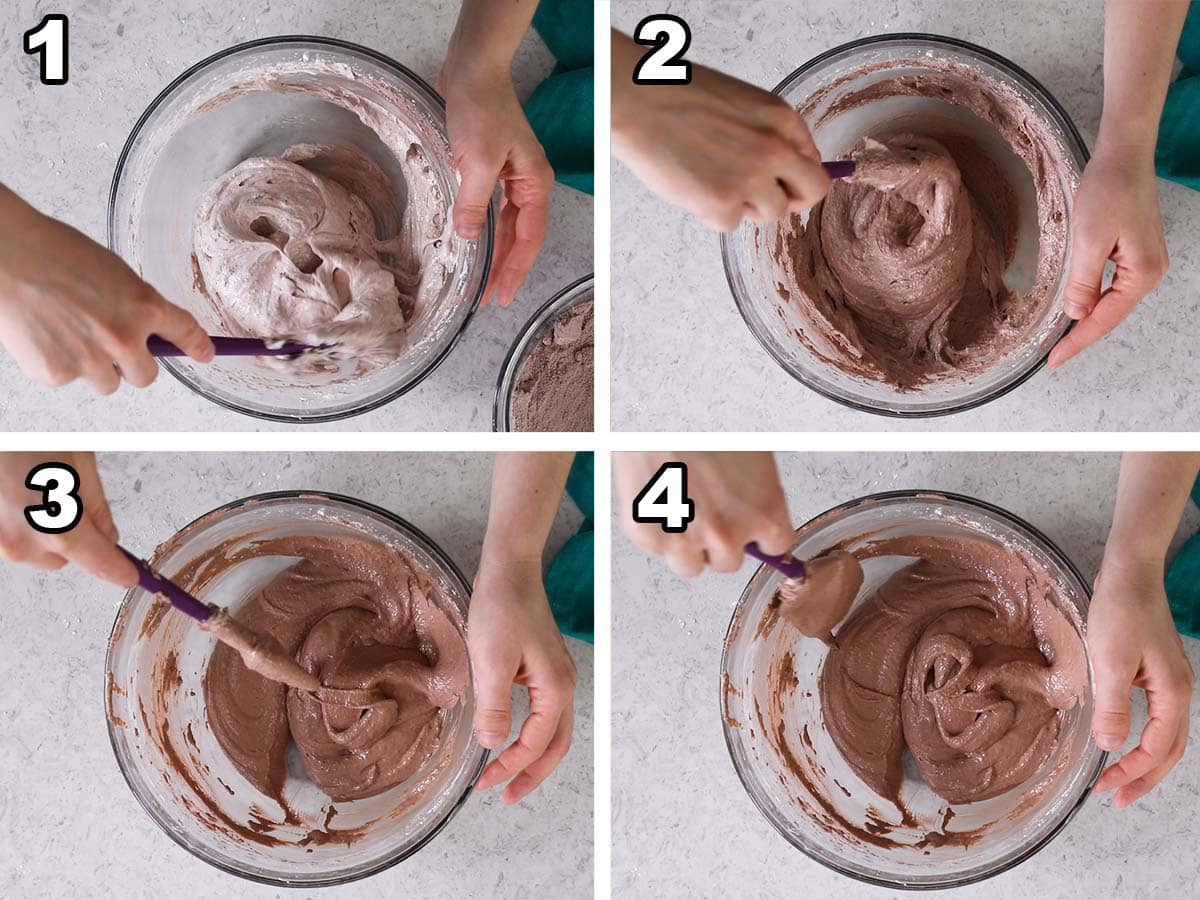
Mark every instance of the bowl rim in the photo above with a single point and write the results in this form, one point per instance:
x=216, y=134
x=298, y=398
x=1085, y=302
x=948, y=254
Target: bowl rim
x=1063, y=120
x=429, y=94
x=431, y=547
x=502, y=405
x=956, y=882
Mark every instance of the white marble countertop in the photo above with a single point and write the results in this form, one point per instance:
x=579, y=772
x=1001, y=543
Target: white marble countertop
x=673, y=318
x=59, y=147
x=73, y=829
x=682, y=824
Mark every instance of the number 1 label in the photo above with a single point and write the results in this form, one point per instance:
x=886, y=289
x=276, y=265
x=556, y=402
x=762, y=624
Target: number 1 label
x=49, y=40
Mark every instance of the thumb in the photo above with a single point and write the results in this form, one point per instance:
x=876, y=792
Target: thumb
x=777, y=537
x=99, y=556
x=1082, y=292
x=181, y=329
x=493, y=706
x=474, y=198
x=1110, y=721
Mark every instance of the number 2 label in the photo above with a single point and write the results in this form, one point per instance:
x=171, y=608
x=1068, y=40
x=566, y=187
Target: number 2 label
x=670, y=37
x=664, y=500
x=60, y=509
x=49, y=40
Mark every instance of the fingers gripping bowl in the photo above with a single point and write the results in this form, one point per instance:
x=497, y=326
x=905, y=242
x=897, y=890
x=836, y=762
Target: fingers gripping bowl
x=933, y=284
x=170, y=748
x=783, y=738
x=262, y=137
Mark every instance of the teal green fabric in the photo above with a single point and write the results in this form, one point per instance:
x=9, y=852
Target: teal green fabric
x=571, y=580
x=1177, y=154
x=1183, y=579
x=561, y=110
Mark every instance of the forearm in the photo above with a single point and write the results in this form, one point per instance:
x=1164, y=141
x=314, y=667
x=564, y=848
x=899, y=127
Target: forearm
x=488, y=33
x=526, y=491
x=1140, y=39
x=1152, y=492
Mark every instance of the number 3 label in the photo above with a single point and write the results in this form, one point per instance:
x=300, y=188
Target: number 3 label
x=670, y=37
x=49, y=40
x=60, y=509
x=664, y=500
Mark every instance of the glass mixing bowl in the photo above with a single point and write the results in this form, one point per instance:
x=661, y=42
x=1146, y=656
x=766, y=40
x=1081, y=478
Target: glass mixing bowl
x=806, y=789
x=581, y=291
x=839, y=72
x=246, y=102
x=172, y=762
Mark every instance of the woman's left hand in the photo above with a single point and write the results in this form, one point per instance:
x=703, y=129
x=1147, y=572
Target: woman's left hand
x=513, y=639
x=1116, y=216
x=491, y=141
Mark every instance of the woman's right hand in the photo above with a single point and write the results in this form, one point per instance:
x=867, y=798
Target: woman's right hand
x=718, y=147
x=71, y=309
x=738, y=499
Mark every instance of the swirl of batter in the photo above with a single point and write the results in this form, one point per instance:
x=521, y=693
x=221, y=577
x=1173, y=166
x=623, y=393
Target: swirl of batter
x=363, y=618
x=963, y=658
x=901, y=261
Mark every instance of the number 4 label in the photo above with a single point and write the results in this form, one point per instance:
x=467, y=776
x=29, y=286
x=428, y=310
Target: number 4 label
x=49, y=40
x=664, y=500
x=670, y=37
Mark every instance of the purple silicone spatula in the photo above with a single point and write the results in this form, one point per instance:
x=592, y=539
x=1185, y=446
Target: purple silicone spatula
x=152, y=582
x=231, y=346
x=839, y=168
x=259, y=654
x=786, y=565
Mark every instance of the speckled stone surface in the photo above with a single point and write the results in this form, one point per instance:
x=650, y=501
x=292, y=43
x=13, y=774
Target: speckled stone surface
x=683, y=826
x=674, y=321
x=82, y=833
x=60, y=147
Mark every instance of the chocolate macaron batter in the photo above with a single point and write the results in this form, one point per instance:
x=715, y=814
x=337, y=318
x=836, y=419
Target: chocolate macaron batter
x=954, y=687
x=962, y=659
x=358, y=616
x=314, y=245
x=377, y=660
x=899, y=274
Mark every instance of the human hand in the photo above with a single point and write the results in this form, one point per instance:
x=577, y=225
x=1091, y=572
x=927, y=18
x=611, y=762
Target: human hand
x=720, y=148
x=491, y=140
x=91, y=544
x=1132, y=641
x=71, y=309
x=1116, y=216
x=512, y=639
x=738, y=499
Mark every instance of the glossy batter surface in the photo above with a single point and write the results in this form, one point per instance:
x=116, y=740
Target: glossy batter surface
x=961, y=658
x=360, y=617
